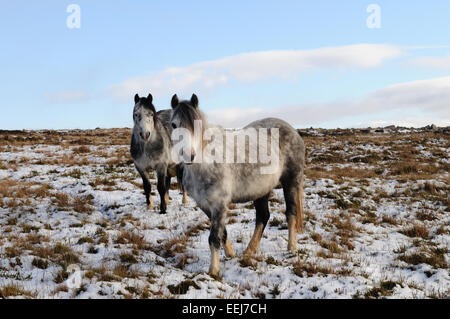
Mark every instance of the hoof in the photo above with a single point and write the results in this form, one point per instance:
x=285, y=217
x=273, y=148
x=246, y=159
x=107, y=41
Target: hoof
x=230, y=254
x=162, y=213
x=248, y=252
x=214, y=273
x=292, y=247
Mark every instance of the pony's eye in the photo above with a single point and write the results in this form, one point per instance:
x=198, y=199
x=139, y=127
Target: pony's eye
x=174, y=126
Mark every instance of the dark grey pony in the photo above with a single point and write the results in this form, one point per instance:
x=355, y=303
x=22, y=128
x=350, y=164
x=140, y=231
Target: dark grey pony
x=215, y=185
x=151, y=148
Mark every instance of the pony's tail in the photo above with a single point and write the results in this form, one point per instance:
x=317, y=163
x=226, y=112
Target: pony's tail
x=300, y=209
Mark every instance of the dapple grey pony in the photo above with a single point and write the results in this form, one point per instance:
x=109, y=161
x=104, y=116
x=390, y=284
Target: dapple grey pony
x=151, y=148
x=215, y=185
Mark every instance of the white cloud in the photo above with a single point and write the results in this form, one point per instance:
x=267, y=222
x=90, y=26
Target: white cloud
x=429, y=96
x=433, y=62
x=68, y=96
x=252, y=67
x=407, y=122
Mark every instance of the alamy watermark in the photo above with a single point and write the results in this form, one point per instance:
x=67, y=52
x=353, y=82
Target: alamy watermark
x=73, y=21
x=214, y=145
x=374, y=19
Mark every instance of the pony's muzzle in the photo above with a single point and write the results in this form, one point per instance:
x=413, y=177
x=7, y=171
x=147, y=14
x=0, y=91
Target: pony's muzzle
x=145, y=136
x=192, y=157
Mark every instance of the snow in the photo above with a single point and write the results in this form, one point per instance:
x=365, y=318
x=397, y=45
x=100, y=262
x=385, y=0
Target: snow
x=372, y=261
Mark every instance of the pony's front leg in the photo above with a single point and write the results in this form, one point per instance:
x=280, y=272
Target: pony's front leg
x=217, y=237
x=147, y=188
x=293, y=209
x=179, y=171
x=229, y=251
x=162, y=190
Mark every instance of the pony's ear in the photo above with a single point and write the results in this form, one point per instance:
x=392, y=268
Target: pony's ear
x=194, y=101
x=150, y=98
x=175, y=101
x=136, y=98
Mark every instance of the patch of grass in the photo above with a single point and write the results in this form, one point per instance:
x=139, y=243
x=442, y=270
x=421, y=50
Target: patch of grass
x=103, y=237
x=13, y=291
x=425, y=216
x=309, y=269
x=385, y=289
x=183, y=287
x=404, y=168
x=83, y=204
x=12, y=252
x=61, y=276
x=84, y=240
x=272, y=261
x=83, y=149
x=75, y=173
x=65, y=256
x=417, y=230
x=40, y=263
x=128, y=258
x=275, y=291
x=29, y=228
x=433, y=257
x=12, y=221
x=389, y=220
x=92, y=250
x=316, y=237
x=131, y=238
x=275, y=222
x=331, y=245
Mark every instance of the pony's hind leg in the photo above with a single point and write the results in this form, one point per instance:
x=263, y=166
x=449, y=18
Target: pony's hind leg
x=147, y=188
x=229, y=251
x=291, y=196
x=300, y=208
x=262, y=217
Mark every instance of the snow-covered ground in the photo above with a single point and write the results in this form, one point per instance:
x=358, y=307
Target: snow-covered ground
x=74, y=224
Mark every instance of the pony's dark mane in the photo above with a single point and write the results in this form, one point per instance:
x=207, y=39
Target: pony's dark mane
x=188, y=113
x=147, y=104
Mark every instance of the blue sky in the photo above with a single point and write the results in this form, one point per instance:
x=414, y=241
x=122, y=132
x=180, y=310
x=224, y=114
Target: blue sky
x=312, y=63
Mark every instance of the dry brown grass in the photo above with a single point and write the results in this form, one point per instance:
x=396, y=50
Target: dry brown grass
x=309, y=269
x=12, y=290
x=80, y=204
x=116, y=136
x=434, y=257
x=83, y=149
x=132, y=238
x=416, y=230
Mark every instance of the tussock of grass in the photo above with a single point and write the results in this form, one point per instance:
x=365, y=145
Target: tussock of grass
x=13, y=291
x=309, y=269
x=433, y=257
x=417, y=230
x=183, y=287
